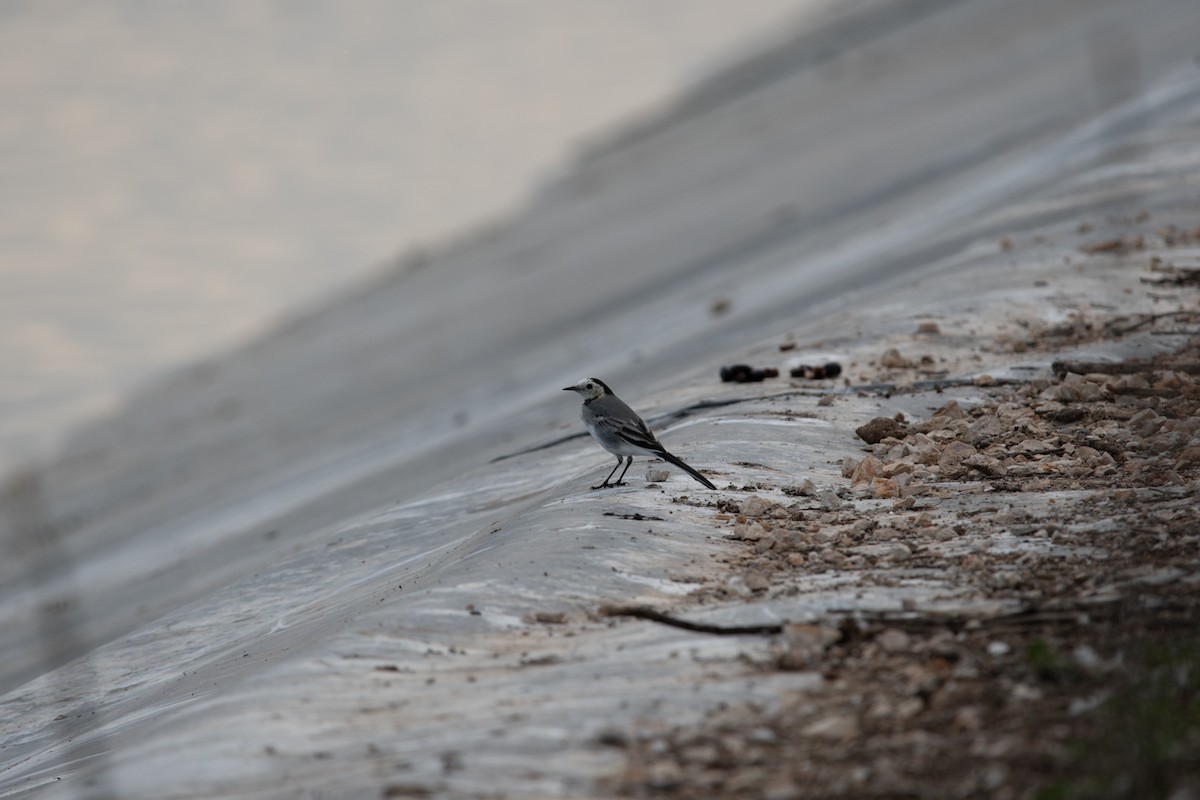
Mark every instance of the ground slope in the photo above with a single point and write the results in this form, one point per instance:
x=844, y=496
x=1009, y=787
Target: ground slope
x=340, y=564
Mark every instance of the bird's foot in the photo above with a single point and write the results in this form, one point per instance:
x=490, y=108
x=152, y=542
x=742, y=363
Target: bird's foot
x=601, y=486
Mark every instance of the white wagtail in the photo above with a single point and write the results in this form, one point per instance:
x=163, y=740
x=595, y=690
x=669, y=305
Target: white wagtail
x=620, y=431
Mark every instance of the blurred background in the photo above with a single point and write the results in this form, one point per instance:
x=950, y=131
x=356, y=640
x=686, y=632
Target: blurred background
x=176, y=175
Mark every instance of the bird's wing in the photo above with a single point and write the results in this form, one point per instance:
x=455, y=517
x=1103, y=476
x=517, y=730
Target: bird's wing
x=628, y=426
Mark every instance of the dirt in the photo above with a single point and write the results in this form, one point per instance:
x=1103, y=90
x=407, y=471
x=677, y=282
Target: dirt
x=1066, y=508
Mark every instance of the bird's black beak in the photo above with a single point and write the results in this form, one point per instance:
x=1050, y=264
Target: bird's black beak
x=568, y=388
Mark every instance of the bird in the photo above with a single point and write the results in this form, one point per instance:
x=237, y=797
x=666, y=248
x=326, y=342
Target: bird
x=618, y=429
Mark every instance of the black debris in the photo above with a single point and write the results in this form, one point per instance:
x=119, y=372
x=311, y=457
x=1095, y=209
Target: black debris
x=744, y=373
x=819, y=372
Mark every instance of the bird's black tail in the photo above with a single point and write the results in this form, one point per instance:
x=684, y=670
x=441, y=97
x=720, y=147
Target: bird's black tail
x=679, y=463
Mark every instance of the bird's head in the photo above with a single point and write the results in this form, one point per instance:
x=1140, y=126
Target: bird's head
x=589, y=388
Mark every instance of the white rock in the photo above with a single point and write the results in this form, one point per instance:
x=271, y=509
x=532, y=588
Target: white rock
x=755, y=506
x=998, y=648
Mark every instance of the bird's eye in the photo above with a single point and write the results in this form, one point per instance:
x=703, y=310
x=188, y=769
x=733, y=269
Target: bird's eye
x=591, y=386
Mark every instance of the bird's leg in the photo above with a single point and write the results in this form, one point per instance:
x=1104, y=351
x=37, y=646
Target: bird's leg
x=620, y=480
x=606, y=484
